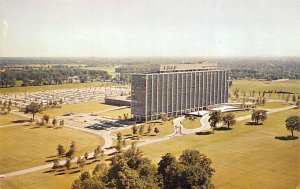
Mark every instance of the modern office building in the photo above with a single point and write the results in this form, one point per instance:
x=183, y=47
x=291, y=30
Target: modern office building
x=177, y=89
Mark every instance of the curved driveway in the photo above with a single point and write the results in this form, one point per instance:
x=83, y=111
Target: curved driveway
x=108, y=138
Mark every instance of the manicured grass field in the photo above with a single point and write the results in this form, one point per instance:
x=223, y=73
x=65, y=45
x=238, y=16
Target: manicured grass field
x=15, y=90
x=86, y=107
x=191, y=124
x=9, y=119
x=26, y=146
x=245, y=157
x=241, y=113
x=42, y=180
x=164, y=129
x=117, y=113
x=273, y=105
x=250, y=85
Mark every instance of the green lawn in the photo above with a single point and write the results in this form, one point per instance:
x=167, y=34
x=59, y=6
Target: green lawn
x=166, y=128
x=15, y=90
x=25, y=146
x=9, y=119
x=273, y=105
x=43, y=180
x=86, y=107
x=192, y=124
x=248, y=86
x=241, y=113
x=117, y=113
x=245, y=157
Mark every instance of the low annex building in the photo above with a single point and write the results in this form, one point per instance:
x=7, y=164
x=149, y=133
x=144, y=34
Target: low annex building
x=176, y=89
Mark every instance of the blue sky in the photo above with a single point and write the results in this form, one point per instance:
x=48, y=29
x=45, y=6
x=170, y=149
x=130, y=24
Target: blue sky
x=116, y=28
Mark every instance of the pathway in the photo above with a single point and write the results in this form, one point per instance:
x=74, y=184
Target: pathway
x=107, y=137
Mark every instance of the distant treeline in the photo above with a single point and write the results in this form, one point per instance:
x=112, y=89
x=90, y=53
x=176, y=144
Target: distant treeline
x=269, y=69
x=239, y=68
x=52, y=76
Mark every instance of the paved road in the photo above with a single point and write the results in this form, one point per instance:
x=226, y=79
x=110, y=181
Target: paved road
x=204, y=123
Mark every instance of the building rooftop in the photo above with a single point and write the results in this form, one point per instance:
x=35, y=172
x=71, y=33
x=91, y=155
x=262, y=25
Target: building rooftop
x=161, y=68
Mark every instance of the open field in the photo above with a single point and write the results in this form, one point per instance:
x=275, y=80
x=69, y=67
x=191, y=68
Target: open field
x=164, y=129
x=241, y=113
x=9, y=119
x=26, y=146
x=117, y=113
x=86, y=107
x=110, y=70
x=191, y=124
x=42, y=179
x=250, y=85
x=245, y=157
x=273, y=105
x=16, y=90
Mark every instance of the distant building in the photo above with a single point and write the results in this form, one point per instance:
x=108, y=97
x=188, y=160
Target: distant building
x=176, y=89
x=118, y=100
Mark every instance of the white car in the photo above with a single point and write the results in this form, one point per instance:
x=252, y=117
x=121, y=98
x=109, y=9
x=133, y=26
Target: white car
x=2, y=176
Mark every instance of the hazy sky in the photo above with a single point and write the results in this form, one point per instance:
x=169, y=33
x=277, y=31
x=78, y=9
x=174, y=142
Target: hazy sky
x=111, y=28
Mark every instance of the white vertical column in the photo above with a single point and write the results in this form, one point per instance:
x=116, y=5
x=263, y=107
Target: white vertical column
x=157, y=84
x=181, y=98
x=167, y=94
x=221, y=87
x=162, y=93
x=146, y=100
x=177, y=94
x=186, y=91
x=152, y=99
x=172, y=88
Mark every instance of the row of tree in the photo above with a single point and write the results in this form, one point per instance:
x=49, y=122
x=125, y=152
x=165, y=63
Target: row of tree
x=50, y=76
x=69, y=155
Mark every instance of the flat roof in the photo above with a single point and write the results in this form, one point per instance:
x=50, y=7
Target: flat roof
x=183, y=67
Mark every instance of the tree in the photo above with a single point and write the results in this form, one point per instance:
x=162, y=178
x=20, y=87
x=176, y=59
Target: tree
x=214, y=119
x=119, y=146
x=258, y=115
x=294, y=98
x=46, y=118
x=297, y=104
x=134, y=129
x=33, y=108
x=156, y=130
x=98, y=153
x=61, y=123
x=154, y=116
x=141, y=130
x=56, y=163
x=292, y=124
x=70, y=153
x=86, y=155
x=191, y=171
x=68, y=164
x=73, y=146
x=149, y=129
x=229, y=119
x=119, y=136
x=8, y=108
x=54, y=122
x=60, y=150
x=164, y=116
x=100, y=169
x=81, y=162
